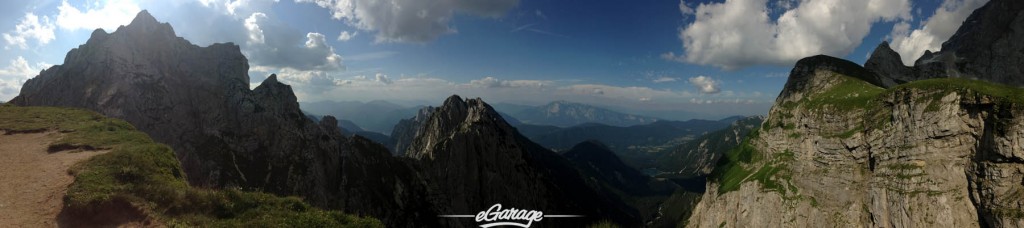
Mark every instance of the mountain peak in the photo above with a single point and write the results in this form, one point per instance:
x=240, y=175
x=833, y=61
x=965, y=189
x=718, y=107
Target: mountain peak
x=143, y=17
x=145, y=24
x=888, y=66
x=805, y=78
x=456, y=115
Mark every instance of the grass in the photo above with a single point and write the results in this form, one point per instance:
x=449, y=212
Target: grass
x=146, y=175
x=745, y=163
x=846, y=95
x=968, y=87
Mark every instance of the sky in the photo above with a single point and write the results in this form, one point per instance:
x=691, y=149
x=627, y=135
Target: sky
x=668, y=59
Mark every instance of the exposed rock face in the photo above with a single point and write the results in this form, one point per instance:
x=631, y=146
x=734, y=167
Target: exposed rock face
x=198, y=101
x=888, y=66
x=472, y=159
x=407, y=129
x=987, y=46
x=838, y=151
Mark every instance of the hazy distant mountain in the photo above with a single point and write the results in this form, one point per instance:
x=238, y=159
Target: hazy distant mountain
x=348, y=128
x=565, y=114
x=697, y=157
x=636, y=144
x=375, y=116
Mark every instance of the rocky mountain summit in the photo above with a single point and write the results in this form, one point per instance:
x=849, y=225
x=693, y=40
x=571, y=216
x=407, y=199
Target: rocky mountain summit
x=987, y=47
x=887, y=148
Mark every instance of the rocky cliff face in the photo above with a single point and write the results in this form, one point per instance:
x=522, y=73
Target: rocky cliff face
x=198, y=101
x=987, y=46
x=836, y=150
x=405, y=131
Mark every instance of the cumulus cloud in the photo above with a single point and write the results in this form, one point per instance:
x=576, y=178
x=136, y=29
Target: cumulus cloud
x=705, y=84
x=108, y=16
x=739, y=33
x=346, y=35
x=273, y=44
x=911, y=44
x=15, y=74
x=409, y=20
x=31, y=27
x=255, y=33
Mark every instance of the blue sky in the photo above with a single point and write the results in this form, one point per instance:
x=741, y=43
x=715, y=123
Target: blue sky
x=669, y=59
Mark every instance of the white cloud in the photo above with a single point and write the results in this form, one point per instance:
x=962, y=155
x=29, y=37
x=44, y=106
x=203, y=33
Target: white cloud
x=685, y=9
x=108, y=16
x=937, y=29
x=279, y=46
x=346, y=35
x=15, y=74
x=491, y=82
x=381, y=78
x=664, y=79
x=739, y=33
x=30, y=27
x=705, y=84
x=255, y=33
x=409, y=20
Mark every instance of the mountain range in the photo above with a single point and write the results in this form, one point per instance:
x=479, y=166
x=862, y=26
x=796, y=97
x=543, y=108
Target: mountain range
x=567, y=114
x=459, y=158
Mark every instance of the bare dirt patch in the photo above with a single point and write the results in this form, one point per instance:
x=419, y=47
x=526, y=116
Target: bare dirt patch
x=33, y=180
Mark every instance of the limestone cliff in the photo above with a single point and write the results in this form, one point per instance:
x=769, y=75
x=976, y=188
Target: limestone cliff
x=837, y=151
x=883, y=145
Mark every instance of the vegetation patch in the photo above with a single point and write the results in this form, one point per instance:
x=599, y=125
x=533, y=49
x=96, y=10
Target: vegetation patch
x=146, y=175
x=846, y=95
x=745, y=163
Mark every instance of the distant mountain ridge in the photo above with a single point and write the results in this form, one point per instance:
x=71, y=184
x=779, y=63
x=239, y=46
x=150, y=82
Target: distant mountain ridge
x=566, y=114
x=375, y=116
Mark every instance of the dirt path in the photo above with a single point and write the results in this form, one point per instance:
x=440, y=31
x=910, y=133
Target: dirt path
x=32, y=181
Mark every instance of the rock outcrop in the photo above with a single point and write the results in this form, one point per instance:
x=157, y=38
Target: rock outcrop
x=407, y=129
x=888, y=67
x=987, y=46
